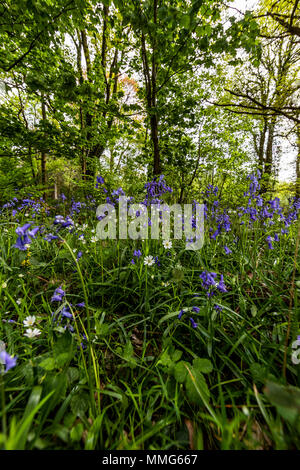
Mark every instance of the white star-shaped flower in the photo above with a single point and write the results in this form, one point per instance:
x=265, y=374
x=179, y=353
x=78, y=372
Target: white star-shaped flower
x=149, y=260
x=32, y=333
x=29, y=321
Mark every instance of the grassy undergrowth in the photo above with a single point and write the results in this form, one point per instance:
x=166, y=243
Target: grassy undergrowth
x=190, y=352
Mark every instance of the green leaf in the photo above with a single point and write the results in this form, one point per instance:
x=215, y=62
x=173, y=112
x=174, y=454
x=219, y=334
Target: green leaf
x=180, y=372
x=253, y=310
x=80, y=403
x=286, y=399
x=62, y=359
x=196, y=387
x=177, y=275
x=259, y=372
x=176, y=355
x=128, y=354
x=165, y=359
x=72, y=374
x=102, y=329
x=48, y=364
x=203, y=365
x=76, y=432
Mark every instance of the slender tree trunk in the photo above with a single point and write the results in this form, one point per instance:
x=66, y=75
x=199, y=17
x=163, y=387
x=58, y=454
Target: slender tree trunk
x=298, y=164
x=87, y=167
x=154, y=115
x=151, y=94
x=31, y=163
x=81, y=111
x=44, y=156
x=268, y=162
x=261, y=147
x=269, y=149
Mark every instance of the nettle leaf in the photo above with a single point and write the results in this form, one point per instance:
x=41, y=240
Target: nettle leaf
x=196, y=387
x=48, y=364
x=72, y=374
x=180, y=372
x=76, y=432
x=285, y=398
x=283, y=395
x=203, y=365
x=176, y=355
x=62, y=359
x=80, y=403
x=258, y=372
x=64, y=343
x=165, y=359
x=177, y=275
x=102, y=329
x=128, y=354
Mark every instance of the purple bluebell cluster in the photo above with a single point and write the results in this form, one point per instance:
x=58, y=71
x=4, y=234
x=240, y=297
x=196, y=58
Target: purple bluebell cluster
x=137, y=254
x=210, y=284
x=155, y=189
x=25, y=236
x=99, y=180
x=63, y=222
x=58, y=295
x=20, y=206
x=267, y=212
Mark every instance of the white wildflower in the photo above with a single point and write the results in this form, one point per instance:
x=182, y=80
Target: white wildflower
x=167, y=244
x=29, y=321
x=32, y=333
x=149, y=260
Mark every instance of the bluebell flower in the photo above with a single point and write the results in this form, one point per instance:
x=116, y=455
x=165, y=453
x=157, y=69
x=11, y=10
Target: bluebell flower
x=49, y=237
x=32, y=233
x=7, y=360
x=194, y=324
x=65, y=312
x=21, y=231
x=20, y=244
x=227, y=250
x=208, y=279
x=81, y=304
x=180, y=314
x=269, y=241
x=218, y=308
x=58, y=295
x=221, y=286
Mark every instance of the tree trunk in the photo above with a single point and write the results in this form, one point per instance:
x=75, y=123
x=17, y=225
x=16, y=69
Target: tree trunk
x=268, y=162
x=44, y=156
x=298, y=164
x=154, y=116
x=151, y=95
x=261, y=147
